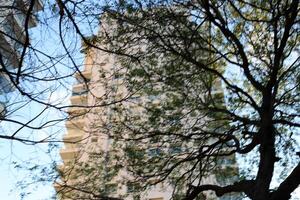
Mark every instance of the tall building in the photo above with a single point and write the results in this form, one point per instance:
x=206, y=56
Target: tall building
x=88, y=153
x=12, y=38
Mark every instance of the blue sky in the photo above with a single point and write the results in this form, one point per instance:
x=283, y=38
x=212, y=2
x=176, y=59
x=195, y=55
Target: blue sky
x=11, y=152
x=45, y=38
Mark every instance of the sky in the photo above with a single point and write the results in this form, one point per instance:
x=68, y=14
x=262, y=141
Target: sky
x=11, y=152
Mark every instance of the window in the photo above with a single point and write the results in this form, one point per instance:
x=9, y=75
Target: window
x=94, y=139
x=5, y=84
x=136, y=197
x=135, y=153
x=227, y=175
x=135, y=99
x=229, y=160
x=175, y=149
x=181, y=196
x=2, y=110
x=229, y=197
x=111, y=188
x=154, y=152
x=80, y=80
x=117, y=75
x=8, y=28
x=153, y=97
x=132, y=187
x=79, y=93
x=102, y=64
x=201, y=197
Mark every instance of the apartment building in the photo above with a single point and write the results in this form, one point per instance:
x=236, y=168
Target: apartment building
x=12, y=37
x=90, y=155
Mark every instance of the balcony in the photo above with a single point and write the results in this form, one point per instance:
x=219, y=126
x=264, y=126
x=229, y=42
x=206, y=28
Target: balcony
x=79, y=87
x=87, y=73
x=69, y=154
x=13, y=27
x=83, y=91
x=20, y=14
x=73, y=111
x=20, y=18
x=75, y=137
x=2, y=110
x=24, y=4
x=58, y=186
x=11, y=41
x=71, y=145
x=38, y=6
x=61, y=168
x=76, y=123
x=79, y=98
x=5, y=84
x=75, y=130
x=10, y=54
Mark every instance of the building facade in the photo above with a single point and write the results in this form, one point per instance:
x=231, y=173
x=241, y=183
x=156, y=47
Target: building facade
x=92, y=165
x=12, y=38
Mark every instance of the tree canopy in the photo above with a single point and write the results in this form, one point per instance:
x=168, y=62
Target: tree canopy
x=213, y=79
x=205, y=80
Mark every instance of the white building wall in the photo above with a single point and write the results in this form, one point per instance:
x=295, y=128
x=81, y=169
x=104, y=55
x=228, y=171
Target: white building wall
x=98, y=63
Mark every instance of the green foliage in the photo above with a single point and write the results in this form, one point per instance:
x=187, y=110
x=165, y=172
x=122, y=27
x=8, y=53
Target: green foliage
x=203, y=82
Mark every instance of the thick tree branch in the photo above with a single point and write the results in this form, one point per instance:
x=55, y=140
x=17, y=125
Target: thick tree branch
x=288, y=185
x=242, y=186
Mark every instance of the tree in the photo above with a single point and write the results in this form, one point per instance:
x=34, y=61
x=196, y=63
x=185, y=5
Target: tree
x=35, y=77
x=30, y=74
x=175, y=51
